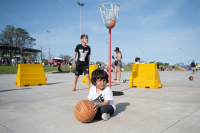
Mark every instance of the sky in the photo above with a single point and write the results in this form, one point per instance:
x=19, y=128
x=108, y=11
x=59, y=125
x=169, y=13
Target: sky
x=153, y=30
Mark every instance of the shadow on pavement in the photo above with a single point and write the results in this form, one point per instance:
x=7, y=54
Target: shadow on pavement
x=126, y=89
x=54, y=83
x=82, y=89
x=120, y=107
x=115, y=84
x=14, y=89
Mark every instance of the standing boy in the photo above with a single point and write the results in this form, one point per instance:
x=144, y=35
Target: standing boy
x=83, y=61
x=193, y=67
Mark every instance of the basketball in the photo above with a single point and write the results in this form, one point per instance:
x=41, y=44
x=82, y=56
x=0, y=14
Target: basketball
x=191, y=78
x=84, y=111
x=110, y=23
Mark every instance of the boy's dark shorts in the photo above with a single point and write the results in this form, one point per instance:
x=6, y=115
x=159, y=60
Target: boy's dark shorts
x=81, y=69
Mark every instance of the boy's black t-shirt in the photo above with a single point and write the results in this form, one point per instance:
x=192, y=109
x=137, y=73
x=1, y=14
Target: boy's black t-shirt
x=83, y=53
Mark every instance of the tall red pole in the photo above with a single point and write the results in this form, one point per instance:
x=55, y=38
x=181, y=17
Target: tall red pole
x=109, y=58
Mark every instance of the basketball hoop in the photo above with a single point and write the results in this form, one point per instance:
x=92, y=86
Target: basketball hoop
x=109, y=11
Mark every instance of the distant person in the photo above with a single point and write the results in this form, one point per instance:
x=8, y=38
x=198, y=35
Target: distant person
x=193, y=67
x=83, y=61
x=70, y=67
x=137, y=60
x=163, y=67
x=8, y=62
x=157, y=65
x=4, y=62
x=118, y=63
x=173, y=68
x=197, y=67
x=24, y=61
x=29, y=61
x=65, y=64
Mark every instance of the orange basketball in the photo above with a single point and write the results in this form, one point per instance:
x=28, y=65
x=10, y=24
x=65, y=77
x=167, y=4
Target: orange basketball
x=84, y=111
x=110, y=23
x=191, y=78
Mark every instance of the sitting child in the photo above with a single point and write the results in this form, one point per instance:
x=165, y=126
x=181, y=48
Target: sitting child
x=101, y=95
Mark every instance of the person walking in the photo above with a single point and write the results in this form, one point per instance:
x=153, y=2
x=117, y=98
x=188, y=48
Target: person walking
x=83, y=61
x=118, y=63
x=193, y=67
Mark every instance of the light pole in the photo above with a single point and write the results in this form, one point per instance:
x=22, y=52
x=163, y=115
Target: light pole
x=49, y=44
x=180, y=55
x=80, y=4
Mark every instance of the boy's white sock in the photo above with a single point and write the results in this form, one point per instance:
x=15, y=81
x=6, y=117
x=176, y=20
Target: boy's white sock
x=105, y=116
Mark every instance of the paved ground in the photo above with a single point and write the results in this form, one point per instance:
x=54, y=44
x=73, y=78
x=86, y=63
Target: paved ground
x=174, y=108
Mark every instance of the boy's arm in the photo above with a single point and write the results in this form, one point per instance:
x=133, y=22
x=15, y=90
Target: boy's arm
x=105, y=103
x=89, y=60
x=74, y=59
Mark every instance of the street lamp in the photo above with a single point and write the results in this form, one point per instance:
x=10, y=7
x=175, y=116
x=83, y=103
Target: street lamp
x=80, y=4
x=180, y=55
x=49, y=42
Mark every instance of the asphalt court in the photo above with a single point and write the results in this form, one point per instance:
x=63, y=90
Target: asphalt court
x=174, y=108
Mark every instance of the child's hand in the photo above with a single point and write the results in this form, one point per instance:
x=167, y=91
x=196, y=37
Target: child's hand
x=95, y=107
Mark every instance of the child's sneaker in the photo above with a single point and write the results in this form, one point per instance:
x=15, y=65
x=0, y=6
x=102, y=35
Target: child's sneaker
x=88, y=89
x=124, y=81
x=73, y=89
x=105, y=116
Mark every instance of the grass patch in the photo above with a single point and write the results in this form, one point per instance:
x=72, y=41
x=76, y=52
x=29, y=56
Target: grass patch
x=13, y=69
x=127, y=68
x=8, y=69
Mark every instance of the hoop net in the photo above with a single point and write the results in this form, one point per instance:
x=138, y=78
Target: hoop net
x=109, y=11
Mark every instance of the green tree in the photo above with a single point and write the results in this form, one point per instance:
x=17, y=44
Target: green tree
x=16, y=38
x=166, y=64
x=45, y=61
x=98, y=62
x=68, y=58
x=7, y=38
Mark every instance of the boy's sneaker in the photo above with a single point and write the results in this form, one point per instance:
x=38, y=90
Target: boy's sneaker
x=88, y=89
x=73, y=89
x=124, y=81
x=105, y=116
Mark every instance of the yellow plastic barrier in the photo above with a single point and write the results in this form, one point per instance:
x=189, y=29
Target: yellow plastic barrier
x=91, y=69
x=145, y=76
x=30, y=75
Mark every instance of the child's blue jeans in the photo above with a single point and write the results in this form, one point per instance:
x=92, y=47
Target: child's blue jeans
x=105, y=109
